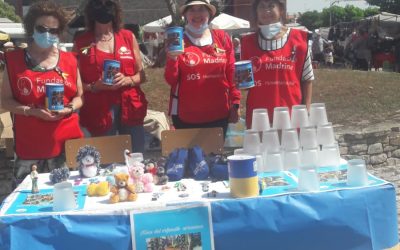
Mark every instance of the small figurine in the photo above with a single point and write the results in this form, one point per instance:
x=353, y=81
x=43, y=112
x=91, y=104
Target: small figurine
x=212, y=194
x=180, y=186
x=205, y=186
x=98, y=189
x=161, y=178
x=34, y=177
x=88, y=159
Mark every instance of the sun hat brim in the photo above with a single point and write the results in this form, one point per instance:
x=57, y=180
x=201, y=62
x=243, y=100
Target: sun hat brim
x=182, y=9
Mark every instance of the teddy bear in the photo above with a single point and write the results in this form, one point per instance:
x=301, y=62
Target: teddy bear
x=143, y=181
x=98, y=189
x=122, y=190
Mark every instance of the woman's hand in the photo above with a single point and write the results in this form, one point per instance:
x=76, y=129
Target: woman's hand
x=46, y=114
x=120, y=80
x=234, y=114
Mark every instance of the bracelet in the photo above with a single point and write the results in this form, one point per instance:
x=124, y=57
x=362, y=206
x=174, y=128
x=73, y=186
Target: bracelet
x=71, y=106
x=24, y=110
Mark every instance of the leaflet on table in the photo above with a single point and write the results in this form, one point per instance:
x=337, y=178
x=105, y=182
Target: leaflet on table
x=331, y=178
x=182, y=227
x=26, y=202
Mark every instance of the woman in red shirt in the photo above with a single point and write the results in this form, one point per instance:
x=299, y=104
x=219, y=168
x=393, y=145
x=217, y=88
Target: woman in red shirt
x=281, y=61
x=40, y=134
x=202, y=90
x=119, y=108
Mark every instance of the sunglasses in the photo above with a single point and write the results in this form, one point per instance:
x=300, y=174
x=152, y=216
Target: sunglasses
x=99, y=4
x=43, y=29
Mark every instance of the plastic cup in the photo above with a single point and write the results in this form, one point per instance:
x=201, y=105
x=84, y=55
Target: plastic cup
x=308, y=137
x=273, y=162
x=318, y=114
x=299, y=116
x=290, y=139
x=270, y=141
x=291, y=159
x=281, y=118
x=309, y=157
x=308, y=179
x=325, y=134
x=260, y=120
x=357, y=173
x=329, y=156
x=260, y=163
x=251, y=142
x=63, y=197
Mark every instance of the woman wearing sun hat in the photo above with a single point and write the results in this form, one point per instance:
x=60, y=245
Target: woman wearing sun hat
x=203, y=93
x=281, y=60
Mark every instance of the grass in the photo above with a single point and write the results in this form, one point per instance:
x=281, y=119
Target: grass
x=350, y=96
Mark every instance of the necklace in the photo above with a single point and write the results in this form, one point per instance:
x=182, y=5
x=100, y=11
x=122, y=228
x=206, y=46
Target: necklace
x=106, y=39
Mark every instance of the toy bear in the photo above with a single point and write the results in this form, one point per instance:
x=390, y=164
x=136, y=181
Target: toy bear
x=122, y=191
x=98, y=189
x=143, y=181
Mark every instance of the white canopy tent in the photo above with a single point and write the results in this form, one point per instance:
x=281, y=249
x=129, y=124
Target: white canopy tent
x=222, y=21
x=15, y=30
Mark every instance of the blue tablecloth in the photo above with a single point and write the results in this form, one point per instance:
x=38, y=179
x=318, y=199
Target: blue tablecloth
x=363, y=219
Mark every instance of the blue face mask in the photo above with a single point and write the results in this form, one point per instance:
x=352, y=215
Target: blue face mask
x=45, y=40
x=270, y=30
x=197, y=31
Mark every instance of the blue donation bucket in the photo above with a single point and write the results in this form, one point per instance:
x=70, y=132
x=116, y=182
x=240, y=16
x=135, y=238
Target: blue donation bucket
x=110, y=68
x=54, y=96
x=244, y=75
x=174, y=37
x=243, y=178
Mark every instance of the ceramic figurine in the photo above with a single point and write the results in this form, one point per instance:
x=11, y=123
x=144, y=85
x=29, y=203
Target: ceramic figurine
x=34, y=177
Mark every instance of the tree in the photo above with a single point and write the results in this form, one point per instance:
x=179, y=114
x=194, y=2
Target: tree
x=8, y=11
x=392, y=6
x=173, y=10
x=371, y=12
x=310, y=19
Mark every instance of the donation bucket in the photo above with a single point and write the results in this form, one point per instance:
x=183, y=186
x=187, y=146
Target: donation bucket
x=54, y=96
x=174, y=36
x=110, y=68
x=244, y=75
x=243, y=178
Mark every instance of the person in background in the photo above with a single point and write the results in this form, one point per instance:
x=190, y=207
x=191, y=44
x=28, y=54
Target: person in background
x=362, y=51
x=121, y=107
x=318, y=48
x=39, y=133
x=236, y=45
x=328, y=55
x=203, y=93
x=281, y=60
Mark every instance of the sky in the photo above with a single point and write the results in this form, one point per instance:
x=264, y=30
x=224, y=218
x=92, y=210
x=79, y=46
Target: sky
x=295, y=6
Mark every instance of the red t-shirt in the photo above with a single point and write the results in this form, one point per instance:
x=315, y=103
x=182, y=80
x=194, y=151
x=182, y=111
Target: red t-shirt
x=204, y=78
x=96, y=112
x=277, y=73
x=36, y=138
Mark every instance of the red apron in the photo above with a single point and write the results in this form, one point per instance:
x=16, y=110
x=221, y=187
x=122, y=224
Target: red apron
x=96, y=113
x=277, y=73
x=34, y=137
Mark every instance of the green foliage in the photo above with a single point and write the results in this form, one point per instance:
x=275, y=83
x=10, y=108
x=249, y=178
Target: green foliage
x=311, y=19
x=8, y=11
x=392, y=6
x=333, y=15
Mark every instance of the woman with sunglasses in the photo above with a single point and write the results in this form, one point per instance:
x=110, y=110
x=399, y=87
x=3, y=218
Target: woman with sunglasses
x=281, y=60
x=119, y=108
x=203, y=93
x=39, y=133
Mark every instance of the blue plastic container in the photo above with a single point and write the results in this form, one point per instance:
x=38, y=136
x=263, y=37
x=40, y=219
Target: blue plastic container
x=54, y=96
x=110, y=68
x=244, y=75
x=174, y=36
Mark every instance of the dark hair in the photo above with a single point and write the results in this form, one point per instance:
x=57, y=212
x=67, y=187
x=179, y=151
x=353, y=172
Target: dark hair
x=257, y=2
x=44, y=8
x=89, y=18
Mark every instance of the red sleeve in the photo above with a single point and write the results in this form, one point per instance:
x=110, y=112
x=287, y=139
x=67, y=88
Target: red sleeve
x=234, y=93
x=171, y=72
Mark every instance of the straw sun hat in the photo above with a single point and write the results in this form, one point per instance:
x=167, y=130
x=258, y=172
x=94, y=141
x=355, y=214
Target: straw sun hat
x=188, y=3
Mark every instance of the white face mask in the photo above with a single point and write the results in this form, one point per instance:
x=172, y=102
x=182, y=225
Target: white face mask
x=270, y=30
x=197, y=31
